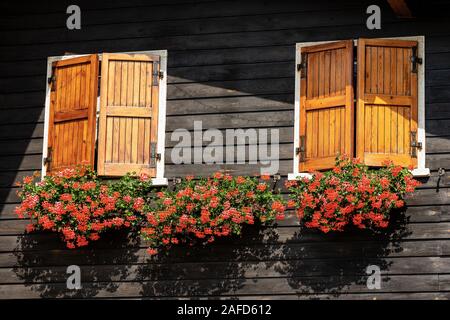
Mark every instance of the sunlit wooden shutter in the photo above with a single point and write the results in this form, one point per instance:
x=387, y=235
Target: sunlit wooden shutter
x=326, y=104
x=73, y=101
x=128, y=114
x=387, y=102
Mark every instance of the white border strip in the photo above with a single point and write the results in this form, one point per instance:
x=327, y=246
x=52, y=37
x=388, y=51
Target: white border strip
x=421, y=170
x=160, y=180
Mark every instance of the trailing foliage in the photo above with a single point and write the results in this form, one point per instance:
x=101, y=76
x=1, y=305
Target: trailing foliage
x=202, y=210
x=76, y=204
x=350, y=194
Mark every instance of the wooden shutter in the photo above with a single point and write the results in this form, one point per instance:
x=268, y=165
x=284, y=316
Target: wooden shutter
x=387, y=102
x=128, y=114
x=73, y=101
x=326, y=104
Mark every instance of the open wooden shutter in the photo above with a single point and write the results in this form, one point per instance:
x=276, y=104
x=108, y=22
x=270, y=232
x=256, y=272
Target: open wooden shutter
x=128, y=114
x=326, y=104
x=73, y=101
x=387, y=102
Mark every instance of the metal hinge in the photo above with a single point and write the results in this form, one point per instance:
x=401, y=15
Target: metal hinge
x=415, y=60
x=157, y=75
x=48, y=159
x=303, y=66
x=52, y=79
x=301, y=151
x=154, y=156
x=414, y=144
x=99, y=77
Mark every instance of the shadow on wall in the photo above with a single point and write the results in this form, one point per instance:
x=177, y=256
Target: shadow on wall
x=101, y=270
x=222, y=269
x=339, y=267
x=268, y=260
x=127, y=270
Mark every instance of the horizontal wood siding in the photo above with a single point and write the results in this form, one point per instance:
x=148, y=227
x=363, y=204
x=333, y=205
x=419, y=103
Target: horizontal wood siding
x=231, y=64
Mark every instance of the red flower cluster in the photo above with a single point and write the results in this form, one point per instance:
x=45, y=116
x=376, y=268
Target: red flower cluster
x=204, y=209
x=76, y=204
x=350, y=194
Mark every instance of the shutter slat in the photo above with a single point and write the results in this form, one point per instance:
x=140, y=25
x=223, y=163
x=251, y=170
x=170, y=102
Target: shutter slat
x=387, y=111
x=326, y=105
x=73, y=101
x=128, y=114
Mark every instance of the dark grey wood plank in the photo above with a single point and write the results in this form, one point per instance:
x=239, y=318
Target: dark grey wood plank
x=219, y=270
x=228, y=40
x=404, y=283
x=188, y=11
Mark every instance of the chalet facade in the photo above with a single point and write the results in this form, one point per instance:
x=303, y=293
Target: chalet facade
x=119, y=92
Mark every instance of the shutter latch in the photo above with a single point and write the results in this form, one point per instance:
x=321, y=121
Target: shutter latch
x=415, y=60
x=301, y=151
x=414, y=144
x=154, y=156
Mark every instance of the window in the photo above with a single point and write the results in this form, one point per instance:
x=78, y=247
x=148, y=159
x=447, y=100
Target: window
x=108, y=111
x=362, y=98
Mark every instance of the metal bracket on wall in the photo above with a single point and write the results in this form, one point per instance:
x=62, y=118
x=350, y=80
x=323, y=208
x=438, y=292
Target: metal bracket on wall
x=441, y=178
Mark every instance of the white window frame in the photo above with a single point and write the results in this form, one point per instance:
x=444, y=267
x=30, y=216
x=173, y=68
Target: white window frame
x=160, y=179
x=421, y=170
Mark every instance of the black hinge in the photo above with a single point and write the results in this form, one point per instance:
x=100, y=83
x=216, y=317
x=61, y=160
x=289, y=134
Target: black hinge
x=157, y=75
x=415, y=60
x=414, y=144
x=154, y=156
x=99, y=77
x=52, y=79
x=302, y=67
x=48, y=159
x=301, y=151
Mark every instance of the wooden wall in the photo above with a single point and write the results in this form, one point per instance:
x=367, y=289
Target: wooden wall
x=231, y=64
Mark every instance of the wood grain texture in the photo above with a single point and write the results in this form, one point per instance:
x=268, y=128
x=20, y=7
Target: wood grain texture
x=387, y=102
x=128, y=114
x=326, y=104
x=72, y=124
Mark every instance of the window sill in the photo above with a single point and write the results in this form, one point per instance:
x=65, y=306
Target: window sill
x=417, y=173
x=421, y=172
x=295, y=176
x=160, y=182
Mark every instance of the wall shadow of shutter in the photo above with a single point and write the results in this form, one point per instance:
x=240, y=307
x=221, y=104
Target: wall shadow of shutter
x=326, y=104
x=128, y=114
x=387, y=102
x=73, y=101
